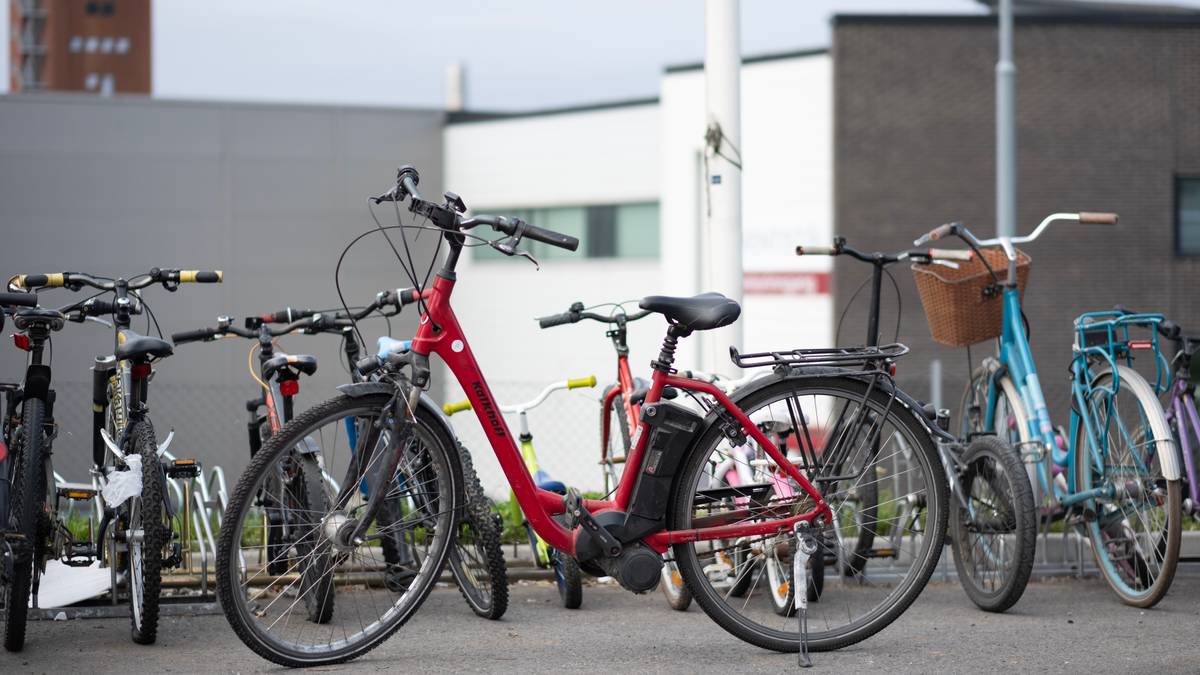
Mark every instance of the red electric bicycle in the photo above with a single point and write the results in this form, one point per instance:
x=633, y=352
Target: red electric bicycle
x=854, y=426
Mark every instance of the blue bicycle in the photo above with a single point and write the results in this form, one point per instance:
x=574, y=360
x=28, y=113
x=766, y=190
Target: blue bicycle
x=1118, y=478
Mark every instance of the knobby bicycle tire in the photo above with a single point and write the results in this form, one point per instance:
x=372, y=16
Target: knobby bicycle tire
x=28, y=495
x=143, y=619
x=490, y=602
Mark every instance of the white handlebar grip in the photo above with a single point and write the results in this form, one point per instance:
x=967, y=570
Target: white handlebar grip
x=950, y=254
x=815, y=250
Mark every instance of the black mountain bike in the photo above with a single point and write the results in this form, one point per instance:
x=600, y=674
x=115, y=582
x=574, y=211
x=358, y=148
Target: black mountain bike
x=302, y=487
x=993, y=519
x=477, y=559
x=140, y=528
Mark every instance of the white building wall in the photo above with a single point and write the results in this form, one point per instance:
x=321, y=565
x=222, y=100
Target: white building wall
x=630, y=154
x=593, y=157
x=787, y=195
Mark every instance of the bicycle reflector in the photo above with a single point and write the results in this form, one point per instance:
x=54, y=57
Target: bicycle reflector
x=21, y=340
x=289, y=387
x=140, y=371
x=1141, y=344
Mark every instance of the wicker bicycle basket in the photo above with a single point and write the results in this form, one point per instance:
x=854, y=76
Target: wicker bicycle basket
x=964, y=306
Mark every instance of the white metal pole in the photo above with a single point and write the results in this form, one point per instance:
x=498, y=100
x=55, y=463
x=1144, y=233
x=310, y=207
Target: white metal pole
x=1006, y=127
x=723, y=260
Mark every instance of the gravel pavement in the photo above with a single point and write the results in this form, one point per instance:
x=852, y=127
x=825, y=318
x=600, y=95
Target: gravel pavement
x=1059, y=626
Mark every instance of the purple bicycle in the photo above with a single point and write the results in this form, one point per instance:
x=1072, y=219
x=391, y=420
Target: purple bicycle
x=1181, y=410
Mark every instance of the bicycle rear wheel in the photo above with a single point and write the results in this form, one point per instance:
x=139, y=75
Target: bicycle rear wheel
x=28, y=500
x=859, y=435
x=147, y=529
x=269, y=612
x=1135, y=528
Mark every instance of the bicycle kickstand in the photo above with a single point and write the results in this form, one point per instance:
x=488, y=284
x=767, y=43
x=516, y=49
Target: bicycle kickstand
x=806, y=546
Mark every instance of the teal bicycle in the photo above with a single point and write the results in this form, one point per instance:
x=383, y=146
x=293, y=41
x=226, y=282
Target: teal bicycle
x=1117, y=476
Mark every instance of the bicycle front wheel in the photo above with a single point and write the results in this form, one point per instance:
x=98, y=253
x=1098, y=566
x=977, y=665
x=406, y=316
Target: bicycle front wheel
x=1134, y=523
x=859, y=435
x=350, y=438
x=477, y=559
x=994, y=534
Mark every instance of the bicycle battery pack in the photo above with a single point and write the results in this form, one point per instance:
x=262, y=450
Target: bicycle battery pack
x=672, y=429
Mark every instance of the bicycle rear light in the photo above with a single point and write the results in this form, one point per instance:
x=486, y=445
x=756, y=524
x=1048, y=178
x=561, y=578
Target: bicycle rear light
x=21, y=340
x=289, y=387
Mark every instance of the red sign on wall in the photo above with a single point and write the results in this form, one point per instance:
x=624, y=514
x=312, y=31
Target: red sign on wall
x=786, y=283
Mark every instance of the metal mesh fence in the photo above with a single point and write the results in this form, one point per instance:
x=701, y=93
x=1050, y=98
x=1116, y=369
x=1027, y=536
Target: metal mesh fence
x=566, y=435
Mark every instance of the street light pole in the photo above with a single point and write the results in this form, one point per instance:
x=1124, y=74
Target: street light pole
x=1006, y=127
x=722, y=257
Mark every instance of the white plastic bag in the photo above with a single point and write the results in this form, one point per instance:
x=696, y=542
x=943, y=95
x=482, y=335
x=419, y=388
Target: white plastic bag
x=124, y=484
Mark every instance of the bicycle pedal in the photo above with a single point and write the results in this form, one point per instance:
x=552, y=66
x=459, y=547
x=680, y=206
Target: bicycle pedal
x=182, y=468
x=79, y=494
x=78, y=554
x=882, y=553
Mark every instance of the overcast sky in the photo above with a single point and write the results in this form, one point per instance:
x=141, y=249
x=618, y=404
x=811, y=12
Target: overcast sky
x=518, y=53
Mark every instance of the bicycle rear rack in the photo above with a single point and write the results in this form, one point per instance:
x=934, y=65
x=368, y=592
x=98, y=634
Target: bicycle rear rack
x=836, y=356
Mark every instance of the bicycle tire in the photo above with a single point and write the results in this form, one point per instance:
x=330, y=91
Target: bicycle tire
x=678, y=595
x=993, y=464
x=145, y=512
x=488, y=600
x=28, y=494
x=905, y=591
x=569, y=580
x=441, y=449
x=1101, y=537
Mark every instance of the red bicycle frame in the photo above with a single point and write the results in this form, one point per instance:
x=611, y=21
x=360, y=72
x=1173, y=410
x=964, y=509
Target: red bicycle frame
x=625, y=389
x=439, y=333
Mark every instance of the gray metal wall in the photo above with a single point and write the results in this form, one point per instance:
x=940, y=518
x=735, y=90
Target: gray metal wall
x=1107, y=116
x=270, y=194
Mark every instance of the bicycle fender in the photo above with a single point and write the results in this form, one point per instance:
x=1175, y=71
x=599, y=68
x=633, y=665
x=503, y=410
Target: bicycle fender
x=1168, y=455
x=361, y=389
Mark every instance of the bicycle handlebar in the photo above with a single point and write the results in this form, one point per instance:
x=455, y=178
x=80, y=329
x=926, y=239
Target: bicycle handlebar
x=75, y=280
x=1167, y=329
x=576, y=313
x=447, y=216
x=927, y=255
x=957, y=229
x=573, y=383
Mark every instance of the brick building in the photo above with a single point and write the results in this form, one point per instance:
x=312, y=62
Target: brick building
x=1108, y=109
x=101, y=46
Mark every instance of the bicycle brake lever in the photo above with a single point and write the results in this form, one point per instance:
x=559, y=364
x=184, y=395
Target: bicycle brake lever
x=508, y=247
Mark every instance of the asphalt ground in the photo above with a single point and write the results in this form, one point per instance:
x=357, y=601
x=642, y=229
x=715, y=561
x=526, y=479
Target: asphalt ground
x=1066, y=625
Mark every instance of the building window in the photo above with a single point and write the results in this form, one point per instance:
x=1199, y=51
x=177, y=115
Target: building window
x=1187, y=215
x=603, y=230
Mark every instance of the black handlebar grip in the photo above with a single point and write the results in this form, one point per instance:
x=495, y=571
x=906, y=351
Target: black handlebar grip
x=287, y=315
x=557, y=320
x=193, y=335
x=206, y=276
x=19, y=299
x=551, y=237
